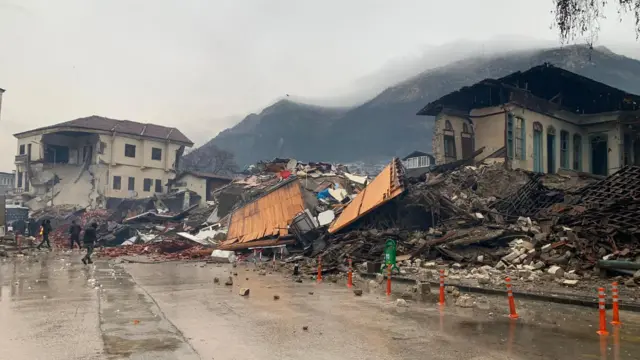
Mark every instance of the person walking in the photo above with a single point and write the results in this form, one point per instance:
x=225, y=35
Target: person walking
x=74, y=235
x=45, y=231
x=89, y=239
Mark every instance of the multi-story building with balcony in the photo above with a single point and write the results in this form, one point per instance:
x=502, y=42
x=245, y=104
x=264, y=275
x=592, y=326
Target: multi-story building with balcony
x=89, y=160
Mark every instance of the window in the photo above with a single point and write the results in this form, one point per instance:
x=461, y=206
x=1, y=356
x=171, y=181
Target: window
x=117, y=182
x=102, y=147
x=132, y=184
x=158, y=186
x=129, y=150
x=156, y=154
x=147, y=185
x=449, y=142
x=22, y=149
x=577, y=152
x=520, y=150
x=564, y=149
x=516, y=132
x=19, y=179
x=423, y=161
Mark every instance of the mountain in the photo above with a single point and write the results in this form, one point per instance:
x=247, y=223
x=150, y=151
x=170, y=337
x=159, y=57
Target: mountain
x=387, y=125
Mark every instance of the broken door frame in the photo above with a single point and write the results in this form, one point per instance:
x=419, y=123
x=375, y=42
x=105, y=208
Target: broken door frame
x=538, y=163
x=551, y=157
x=604, y=136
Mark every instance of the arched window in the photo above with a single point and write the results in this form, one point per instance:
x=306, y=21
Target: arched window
x=537, y=147
x=465, y=128
x=516, y=132
x=447, y=125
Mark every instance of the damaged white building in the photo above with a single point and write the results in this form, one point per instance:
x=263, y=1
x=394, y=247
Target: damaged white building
x=89, y=160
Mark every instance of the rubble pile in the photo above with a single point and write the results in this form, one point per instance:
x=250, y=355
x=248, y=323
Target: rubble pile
x=557, y=226
x=165, y=250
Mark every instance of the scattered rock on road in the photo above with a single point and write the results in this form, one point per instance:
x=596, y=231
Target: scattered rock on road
x=357, y=292
x=229, y=281
x=401, y=303
x=216, y=280
x=465, y=301
x=244, y=292
x=305, y=328
x=310, y=292
x=276, y=297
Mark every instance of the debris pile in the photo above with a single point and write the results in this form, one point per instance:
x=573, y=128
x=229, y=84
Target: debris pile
x=164, y=250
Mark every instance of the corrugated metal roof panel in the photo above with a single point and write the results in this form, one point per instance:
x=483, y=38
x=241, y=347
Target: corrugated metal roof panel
x=268, y=215
x=386, y=186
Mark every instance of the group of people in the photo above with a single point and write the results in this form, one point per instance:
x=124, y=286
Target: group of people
x=89, y=238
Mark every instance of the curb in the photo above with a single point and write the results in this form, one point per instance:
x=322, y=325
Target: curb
x=557, y=298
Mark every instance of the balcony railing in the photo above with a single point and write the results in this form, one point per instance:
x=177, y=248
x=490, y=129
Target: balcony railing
x=21, y=159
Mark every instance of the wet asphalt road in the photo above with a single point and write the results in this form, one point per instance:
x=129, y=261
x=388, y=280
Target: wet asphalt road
x=53, y=307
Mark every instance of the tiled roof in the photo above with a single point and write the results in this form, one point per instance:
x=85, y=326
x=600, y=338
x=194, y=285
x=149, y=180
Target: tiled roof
x=120, y=126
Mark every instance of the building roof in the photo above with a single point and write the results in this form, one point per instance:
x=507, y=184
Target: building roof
x=416, y=154
x=119, y=126
x=570, y=91
x=204, y=175
x=267, y=216
x=386, y=186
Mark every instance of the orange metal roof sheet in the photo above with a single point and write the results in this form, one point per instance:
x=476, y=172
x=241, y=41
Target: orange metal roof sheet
x=386, y=186
x=267, y=216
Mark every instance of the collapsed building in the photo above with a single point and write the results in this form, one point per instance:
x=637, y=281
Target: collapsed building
x=90, y=160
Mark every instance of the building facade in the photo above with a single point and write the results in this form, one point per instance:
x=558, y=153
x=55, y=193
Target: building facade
x=6, y=182
x=88, y=160
x=542, y=120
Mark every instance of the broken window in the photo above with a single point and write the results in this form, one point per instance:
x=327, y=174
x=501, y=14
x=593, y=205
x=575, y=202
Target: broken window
x=117, y=182
x=449, y=142
x=158, y=186
x=129, y=150
x=132, y=184
x=22, y=149
x=577, y=152
x=564, y=149
x=156, y=154
x=519, y=132
x=147, y=185
x=19, y=179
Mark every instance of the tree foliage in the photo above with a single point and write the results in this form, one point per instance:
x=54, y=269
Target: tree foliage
x=210, y=158
x=582, y=17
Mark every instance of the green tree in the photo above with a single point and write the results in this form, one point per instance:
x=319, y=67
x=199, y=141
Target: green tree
x=582, y=17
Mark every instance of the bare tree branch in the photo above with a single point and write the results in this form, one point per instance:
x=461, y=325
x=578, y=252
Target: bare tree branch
x=582, y=17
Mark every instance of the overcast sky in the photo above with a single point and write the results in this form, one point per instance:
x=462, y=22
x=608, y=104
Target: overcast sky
x=196, y=64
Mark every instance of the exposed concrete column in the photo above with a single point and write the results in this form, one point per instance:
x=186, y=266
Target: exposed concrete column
x=437, y=144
